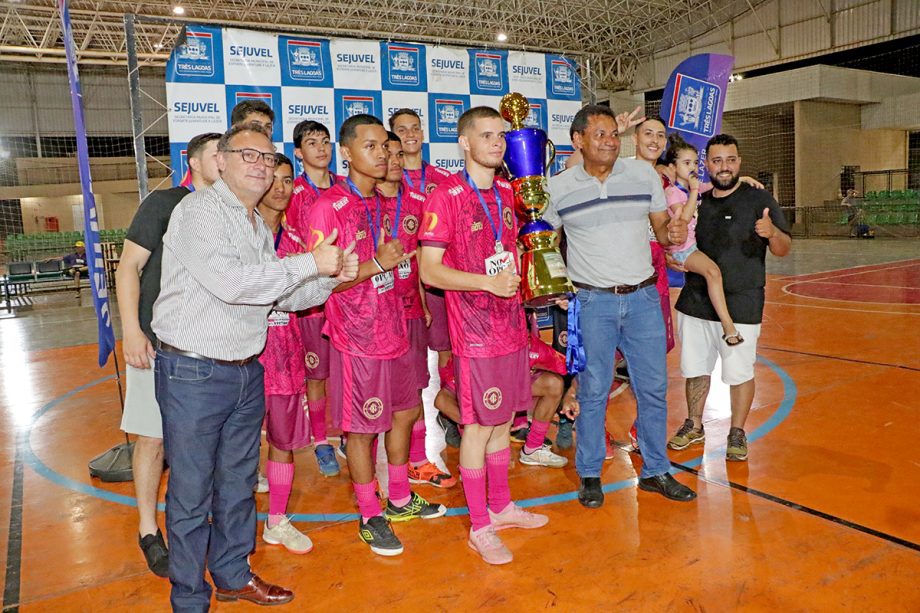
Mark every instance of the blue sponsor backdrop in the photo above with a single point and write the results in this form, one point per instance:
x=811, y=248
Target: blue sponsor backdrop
x=329, y=80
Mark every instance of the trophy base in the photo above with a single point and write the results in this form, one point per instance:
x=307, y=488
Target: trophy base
x=543, y=275
x=545, y=300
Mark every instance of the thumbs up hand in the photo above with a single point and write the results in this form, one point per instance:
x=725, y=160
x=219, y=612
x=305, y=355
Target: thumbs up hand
x=328, y=256
x=391, y=253
x=764, y=226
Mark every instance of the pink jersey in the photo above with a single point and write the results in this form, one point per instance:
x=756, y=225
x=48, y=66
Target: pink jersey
x=284, y=355
x=295, y=217
x=426, y=178
x=481, y=324
x=675, y=197
x=367, y=319
x=304, y=195
x=406, y=230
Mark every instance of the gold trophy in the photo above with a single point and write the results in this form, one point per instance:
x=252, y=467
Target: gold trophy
x=543, y=275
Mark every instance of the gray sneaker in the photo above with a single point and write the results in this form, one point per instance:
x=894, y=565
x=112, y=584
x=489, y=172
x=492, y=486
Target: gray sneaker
x=737, y=450
x=542, y=457
x=687, y=435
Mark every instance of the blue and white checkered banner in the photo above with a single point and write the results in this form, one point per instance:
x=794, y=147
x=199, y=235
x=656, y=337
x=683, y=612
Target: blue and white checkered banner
x=329, y=80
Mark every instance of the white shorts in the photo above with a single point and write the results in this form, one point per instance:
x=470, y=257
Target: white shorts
x=142, y=413
x=701, y=343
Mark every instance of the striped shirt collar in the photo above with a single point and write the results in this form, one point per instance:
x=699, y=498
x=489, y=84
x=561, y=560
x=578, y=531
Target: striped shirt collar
x=582, y=175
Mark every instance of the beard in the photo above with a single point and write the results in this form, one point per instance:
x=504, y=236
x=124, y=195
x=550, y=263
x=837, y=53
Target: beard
x=488, y=162
x=726, y=184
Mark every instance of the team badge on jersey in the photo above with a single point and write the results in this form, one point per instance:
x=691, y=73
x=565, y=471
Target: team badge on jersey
x=410, y=224
x=492, y=398
x=373, y=408
x=507, y=216
x=312, y=360
x=563, y=338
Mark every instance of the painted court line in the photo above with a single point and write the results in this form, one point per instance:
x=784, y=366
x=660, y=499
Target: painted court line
x=790, y=393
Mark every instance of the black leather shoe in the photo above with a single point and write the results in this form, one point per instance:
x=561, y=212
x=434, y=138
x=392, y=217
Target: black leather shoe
x=590, y=493
x=667, y=486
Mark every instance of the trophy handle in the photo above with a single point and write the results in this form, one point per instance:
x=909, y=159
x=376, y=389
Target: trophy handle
x=552, y=155
x=508, y=172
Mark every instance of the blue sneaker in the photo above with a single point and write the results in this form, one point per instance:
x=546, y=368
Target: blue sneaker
x=325, y=457
x=564, y=434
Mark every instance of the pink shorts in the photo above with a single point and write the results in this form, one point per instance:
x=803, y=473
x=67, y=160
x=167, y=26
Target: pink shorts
x=438, y=336
x=316, y=346
x=363, y=394
x=491, y=390
x=287, y=426
x=415, y=360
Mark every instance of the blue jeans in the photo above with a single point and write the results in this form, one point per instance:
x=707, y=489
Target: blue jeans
x=212, y=415
x=632, y=322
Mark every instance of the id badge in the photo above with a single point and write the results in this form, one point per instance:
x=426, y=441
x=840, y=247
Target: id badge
x=498, y=262
x=278, y=318
x=383, y=281
x=404, y=270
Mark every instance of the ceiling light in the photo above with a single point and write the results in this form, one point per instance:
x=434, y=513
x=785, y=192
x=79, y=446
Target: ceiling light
x=501, y=37
x=178, y=10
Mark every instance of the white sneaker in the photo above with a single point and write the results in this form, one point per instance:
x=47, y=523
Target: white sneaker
x=543, y=457
x=261, y=485
x=286, y=534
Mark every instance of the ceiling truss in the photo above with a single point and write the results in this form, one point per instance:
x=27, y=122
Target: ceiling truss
x=610, y=36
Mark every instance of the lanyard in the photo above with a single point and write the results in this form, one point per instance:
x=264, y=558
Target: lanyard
x=374, y=225
x=399, y=193
x=313, y=185
x=496, y=230
x=421, y=181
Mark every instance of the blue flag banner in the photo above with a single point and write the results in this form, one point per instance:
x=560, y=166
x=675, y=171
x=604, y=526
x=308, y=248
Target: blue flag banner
x=94, y=259
x=694, y=98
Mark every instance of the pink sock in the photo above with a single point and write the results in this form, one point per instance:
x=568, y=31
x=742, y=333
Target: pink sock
x=417, y=453
x=280, y=480
x=317, y=410
x=366, y=493
x=520, y=420
x=499, y=492
x=474, y=487
x=400, y=494
x=538, y=430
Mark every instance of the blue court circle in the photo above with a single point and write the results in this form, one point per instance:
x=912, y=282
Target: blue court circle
x=790, y=394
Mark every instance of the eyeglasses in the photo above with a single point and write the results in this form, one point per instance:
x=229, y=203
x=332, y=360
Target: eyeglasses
x=251, y=156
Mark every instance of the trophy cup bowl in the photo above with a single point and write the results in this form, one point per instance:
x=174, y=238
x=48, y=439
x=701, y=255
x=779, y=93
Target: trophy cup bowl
x=528, y=156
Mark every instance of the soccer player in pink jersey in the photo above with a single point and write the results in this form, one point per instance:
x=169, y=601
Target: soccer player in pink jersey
x=423, y=177
x=366, y=326
x=403, y=206
x=283, y=359
x=468, y=238
x=313, y=149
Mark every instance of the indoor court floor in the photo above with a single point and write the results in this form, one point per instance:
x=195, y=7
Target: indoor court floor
x=824, y=516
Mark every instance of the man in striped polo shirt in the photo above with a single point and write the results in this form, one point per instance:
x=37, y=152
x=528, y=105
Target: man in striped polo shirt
x=606, y=204
x=220, y=279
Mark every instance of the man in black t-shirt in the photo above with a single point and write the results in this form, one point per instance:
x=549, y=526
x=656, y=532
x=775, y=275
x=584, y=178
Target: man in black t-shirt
x=736, y=224
x=138, y=285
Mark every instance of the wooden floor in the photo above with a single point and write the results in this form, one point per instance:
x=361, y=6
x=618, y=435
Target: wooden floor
x=824, y=516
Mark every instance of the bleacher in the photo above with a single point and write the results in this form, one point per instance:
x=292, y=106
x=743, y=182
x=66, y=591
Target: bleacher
x=35, y=261
x=44, y=245
x=889, y=208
